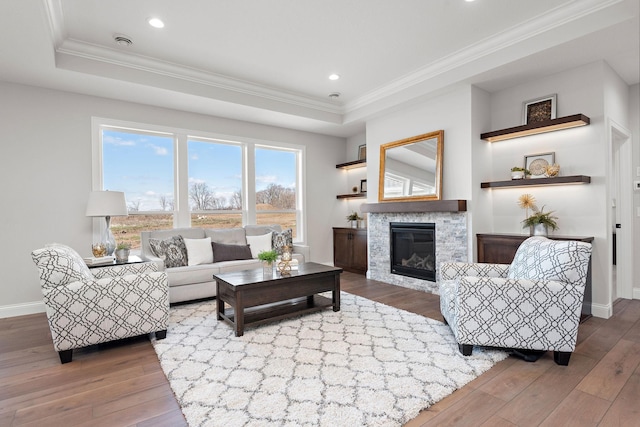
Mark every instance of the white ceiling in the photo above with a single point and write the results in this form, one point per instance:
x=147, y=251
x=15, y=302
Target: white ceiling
x=269, y=61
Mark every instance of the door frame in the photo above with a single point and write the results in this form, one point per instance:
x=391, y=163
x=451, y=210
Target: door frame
x=620, y=150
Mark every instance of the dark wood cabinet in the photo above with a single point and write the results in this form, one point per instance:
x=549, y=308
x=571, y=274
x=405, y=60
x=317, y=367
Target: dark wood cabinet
x=501, y=249
x=350, y=249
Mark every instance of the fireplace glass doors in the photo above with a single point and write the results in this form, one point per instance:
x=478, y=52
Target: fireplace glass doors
x=413, y=250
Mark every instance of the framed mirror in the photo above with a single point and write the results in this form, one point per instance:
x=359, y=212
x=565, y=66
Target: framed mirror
x=411, y=169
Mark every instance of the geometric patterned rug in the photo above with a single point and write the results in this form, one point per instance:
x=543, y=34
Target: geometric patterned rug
x=367, y=365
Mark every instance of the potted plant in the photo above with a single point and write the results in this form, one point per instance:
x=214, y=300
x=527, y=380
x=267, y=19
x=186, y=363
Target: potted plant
x=122, y=252
x=268, y=258
x=518, y=172
x=540, y=221
x=354, y=218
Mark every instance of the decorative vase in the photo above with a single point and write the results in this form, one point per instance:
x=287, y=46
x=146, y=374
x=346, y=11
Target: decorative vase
x=284, y=266
x=267, y=269
x=354, y=223
x=517, y=175
x=539, y=230
x=122, y=255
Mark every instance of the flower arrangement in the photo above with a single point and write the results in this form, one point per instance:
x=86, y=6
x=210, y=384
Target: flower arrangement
x=354, y=216
x=539, y=216
x=268, y=256
x=123, y=245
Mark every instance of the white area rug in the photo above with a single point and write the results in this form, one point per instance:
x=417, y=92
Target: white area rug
x=366, y=365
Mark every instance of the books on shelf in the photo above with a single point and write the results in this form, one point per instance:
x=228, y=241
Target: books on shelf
x=100, y=260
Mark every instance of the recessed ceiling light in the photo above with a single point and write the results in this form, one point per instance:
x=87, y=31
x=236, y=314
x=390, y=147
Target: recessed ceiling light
x=156, y=22
x=334, y=76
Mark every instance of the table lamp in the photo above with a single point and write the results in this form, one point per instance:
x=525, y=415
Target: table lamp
x=107, y=204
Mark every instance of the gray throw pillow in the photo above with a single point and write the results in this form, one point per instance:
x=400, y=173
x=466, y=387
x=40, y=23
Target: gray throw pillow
x=172, y=251
x=223, y=252
x=280, y=239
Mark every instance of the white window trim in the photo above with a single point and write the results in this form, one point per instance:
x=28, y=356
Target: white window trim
x=181, y=216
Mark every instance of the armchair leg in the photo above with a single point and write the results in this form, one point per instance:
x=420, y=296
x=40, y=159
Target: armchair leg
x=465, y=349
x=65, y=356
x=160, y=335
x=561, y=357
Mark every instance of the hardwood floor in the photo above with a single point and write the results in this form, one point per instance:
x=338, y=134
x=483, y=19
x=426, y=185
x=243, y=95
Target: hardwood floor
x=122, y=384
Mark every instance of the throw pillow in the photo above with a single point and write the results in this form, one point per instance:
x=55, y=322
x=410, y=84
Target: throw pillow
x=199, y=251
x=60, y=265
x=224, y=252
x=280, y=239
x=539, y=258
x=172, y=251
x=259, y=244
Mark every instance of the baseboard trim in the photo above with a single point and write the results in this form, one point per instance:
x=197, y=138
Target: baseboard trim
x=21, y=309
x=636, y=293
x=601, y=310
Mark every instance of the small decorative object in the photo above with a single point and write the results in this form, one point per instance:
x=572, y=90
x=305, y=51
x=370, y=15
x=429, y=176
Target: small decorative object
x=540, y=109
x=122, y=252
x=539, y=222
x=268, y=258
x=537, y=164
x=354, y=218
x=284, y=266
x=518, y=172
x=99, y=250
x=552, y=170
x=362, y=152
x=354, y=189
x=363, y=185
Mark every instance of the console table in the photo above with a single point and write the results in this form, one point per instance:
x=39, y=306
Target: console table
x=501, y=249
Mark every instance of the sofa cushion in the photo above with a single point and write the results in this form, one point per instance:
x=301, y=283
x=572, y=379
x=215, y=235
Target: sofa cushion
x=199, y=251
x=259, y=244
x=539, y=258
x=280, y=239
x=188, y=275
x=228, y=236
x=171, y=250
x=59, y=265
x=222, y=252
x=261, y=230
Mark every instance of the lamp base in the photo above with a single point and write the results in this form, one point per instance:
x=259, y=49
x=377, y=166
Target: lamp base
x=108, y=238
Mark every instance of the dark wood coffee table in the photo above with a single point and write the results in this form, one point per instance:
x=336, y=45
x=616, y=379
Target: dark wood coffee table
x=255, y=299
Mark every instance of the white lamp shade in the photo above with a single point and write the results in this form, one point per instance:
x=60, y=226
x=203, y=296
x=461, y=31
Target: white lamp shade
x=107, y=203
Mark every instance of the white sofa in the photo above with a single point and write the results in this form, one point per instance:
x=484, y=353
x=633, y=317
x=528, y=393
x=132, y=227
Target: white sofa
x=196, y=281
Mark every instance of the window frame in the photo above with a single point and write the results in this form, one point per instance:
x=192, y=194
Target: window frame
x=181, y=212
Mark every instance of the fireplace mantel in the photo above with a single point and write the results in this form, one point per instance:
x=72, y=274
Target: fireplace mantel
x=423, y=206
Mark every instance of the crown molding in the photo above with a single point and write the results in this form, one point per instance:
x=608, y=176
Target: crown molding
x=505, y=39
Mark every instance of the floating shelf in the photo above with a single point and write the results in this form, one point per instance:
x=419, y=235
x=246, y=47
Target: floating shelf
x=352, y=165
x=537, y=128
x=537, y=182
x=351, y=196
x=419, y=206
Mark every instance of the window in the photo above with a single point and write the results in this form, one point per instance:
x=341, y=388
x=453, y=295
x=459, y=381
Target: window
x=176, y=178
x=276, y=183
x=215, y=183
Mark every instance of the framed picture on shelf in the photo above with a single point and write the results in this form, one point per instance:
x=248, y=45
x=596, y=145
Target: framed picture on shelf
x=363, y=185
x=540, y=109
x=537, y=164
x=362, y=152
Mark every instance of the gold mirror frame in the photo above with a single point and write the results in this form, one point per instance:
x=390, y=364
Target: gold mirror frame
x=437, y=173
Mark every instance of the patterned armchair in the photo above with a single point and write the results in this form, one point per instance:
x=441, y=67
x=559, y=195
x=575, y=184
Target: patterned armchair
x=532, y=304
x=112, y=303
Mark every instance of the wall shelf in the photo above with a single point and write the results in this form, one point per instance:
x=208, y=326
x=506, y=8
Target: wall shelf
x=352, y=165
x=352, y=196
x=537, y=128
x=537, y=182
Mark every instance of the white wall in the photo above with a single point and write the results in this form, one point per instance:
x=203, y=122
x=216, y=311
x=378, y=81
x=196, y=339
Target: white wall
x=582, y=209
x=634, y=126
x=46, y=176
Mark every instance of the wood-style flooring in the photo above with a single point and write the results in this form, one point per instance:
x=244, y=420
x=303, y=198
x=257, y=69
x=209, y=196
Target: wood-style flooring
x=122, y=384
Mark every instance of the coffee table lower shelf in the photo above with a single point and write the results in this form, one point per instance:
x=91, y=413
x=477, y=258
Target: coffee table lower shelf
x=277, y=311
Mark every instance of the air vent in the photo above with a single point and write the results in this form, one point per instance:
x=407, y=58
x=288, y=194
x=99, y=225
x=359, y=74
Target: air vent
x=334, y=95
x=123, y=41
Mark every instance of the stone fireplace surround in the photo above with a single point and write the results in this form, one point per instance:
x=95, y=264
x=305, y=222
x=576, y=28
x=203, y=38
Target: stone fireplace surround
x=450, y=218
